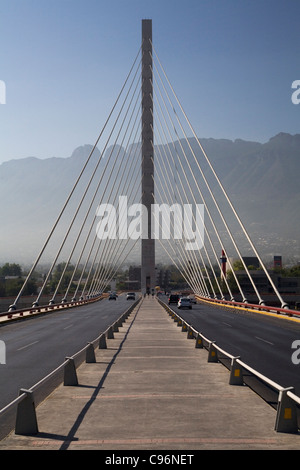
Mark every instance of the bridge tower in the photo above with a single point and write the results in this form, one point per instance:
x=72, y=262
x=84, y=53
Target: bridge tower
x=148, y=280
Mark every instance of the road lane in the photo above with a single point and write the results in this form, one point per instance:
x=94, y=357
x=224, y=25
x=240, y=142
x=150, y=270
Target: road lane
x=36, y=346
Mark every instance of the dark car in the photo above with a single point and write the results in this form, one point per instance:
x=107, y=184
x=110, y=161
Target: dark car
x=112, y=297
x=174, y=298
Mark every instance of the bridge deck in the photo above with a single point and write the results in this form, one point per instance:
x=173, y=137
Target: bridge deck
x=152, y=389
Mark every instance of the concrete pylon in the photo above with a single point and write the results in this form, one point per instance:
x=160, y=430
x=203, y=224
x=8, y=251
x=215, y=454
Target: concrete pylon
x=102, y=342
x=70, y=374
x=212, y=353
x=286, y=418
x=199, y=342
x=236, y=373
x=90, y=353
x=26, y=421
x=148, y=278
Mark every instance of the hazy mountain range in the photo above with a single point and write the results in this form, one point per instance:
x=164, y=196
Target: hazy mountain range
x=262, y=180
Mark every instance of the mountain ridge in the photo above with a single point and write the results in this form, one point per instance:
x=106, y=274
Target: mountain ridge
x=261, y=179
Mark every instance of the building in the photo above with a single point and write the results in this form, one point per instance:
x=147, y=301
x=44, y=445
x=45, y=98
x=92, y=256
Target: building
x=277, y=262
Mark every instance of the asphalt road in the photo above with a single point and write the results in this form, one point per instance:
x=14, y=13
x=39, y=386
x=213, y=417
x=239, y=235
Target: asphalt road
x=37, y=346
x=263, y=342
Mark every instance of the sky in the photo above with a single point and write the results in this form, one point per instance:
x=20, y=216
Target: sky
x=63, y=62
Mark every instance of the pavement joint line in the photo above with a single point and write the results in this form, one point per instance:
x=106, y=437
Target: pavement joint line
x=193, y=440
x=158, y=357
x=154, y=396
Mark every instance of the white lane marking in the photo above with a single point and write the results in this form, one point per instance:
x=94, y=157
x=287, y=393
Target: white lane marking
x=264, y=340
x=27, y=345
x=69, y=326
x=227, y=324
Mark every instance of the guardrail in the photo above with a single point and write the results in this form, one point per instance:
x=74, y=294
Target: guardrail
x=267, y=308
x=287, y=403
x=24, y=420
x=19, y=313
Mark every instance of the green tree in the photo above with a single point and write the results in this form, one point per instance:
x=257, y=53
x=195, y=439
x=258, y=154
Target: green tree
x=238, y=265
x=11, y=270
x=56, y=277
x=13, y=286
x=295, y=271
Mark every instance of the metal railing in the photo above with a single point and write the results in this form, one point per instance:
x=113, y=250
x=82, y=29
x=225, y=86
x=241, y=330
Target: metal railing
x=19, y=313
x=22, y=410
x=282, y=399
x=266, y=308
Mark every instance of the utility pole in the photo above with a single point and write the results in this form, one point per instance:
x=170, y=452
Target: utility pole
x=148, y=280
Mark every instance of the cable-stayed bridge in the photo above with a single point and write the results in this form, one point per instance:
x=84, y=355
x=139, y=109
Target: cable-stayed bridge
x=152, y=191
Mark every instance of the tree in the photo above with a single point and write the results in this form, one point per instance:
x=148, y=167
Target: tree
x=64, y=281
x=11, y=270
x=238, y=265
x=295, y=271
x=13, y=286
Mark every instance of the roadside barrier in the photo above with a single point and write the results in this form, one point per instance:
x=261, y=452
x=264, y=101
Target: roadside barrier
x=15, y=314
x=230, y=303
x=287, y=403
x=66, y=373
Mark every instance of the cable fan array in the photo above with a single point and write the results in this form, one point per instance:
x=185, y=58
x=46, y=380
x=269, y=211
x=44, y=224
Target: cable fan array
x=184, y=176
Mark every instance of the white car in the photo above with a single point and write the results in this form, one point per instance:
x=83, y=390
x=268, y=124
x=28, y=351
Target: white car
x=184, y=302
x=130, y=295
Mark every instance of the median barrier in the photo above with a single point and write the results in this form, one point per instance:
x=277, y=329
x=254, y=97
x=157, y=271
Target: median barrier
x=26, y=422
x=199, y=341
x=102, y=342
x=236, y=373
x=70, y=374
x=286, y=419
x=212, y=353
x=190, y=334
x=90, y=356
x=110, y=333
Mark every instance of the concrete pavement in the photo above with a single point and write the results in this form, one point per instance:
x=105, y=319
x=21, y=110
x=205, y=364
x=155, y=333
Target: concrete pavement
x=151, y=389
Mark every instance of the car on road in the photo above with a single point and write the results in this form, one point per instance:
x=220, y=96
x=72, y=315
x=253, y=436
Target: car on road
x=173, y=299
x=130, y=296
x=184, y=302
x=112, y=297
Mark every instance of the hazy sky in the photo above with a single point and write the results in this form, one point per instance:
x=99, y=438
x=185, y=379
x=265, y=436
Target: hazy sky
x=63, y=62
